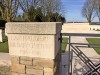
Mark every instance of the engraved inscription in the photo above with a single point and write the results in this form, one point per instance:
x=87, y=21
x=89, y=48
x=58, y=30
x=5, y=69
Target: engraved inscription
x=29, y=45
x=28, y=38
x=30, y=41
x=32, y=45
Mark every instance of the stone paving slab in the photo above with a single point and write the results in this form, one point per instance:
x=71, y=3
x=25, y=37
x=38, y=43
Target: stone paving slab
x=5, y=64
x=4, y=70
x=65, y=63
x=5, y=59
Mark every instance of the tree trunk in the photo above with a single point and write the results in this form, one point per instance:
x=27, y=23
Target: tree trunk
x=89, y=21
x=99, y=19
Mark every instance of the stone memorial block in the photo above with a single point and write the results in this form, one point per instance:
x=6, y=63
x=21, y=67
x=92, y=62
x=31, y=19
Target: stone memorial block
x=1, y=37
x=38, y=42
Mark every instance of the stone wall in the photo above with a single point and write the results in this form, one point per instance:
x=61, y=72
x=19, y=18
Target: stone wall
x=34, y=48
x=79, y=28
x=35, y=66
x=75, y=27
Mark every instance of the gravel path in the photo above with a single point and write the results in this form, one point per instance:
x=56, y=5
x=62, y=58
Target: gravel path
x=5, y=59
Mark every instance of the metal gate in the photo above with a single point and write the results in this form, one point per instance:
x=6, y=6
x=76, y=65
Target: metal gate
x=94, y=69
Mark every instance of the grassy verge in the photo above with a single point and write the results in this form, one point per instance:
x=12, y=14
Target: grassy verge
x=4, y=44
x=94, y=41
x=4, y=47
x=65, y=40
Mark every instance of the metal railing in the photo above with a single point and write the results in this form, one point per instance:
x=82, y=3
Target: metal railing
x=74, y=47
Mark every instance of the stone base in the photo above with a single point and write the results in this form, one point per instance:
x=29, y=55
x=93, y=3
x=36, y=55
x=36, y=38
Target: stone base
x=35, y=66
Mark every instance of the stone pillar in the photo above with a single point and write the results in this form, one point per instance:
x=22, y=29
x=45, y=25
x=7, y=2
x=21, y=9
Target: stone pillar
x=34, y=48
x=1, y=39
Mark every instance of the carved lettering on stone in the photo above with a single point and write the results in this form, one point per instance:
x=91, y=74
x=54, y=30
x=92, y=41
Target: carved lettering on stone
x=36, y=45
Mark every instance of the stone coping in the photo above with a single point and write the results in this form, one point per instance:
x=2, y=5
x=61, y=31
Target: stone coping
x=33, y=27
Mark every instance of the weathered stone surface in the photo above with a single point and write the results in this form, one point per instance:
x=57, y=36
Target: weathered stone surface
x=25, y=74
x=24, y=39
x=15, y=59
x=1, y=39
x=48, y=71
x=34, y=67
x=43, y=62
x=18, y=68
x=42, y=46
x=25, y=58
x=34, y=27
x=13, y=73
x=26, y=62
x=37, y=46
x=19, y=74
x=34, y=71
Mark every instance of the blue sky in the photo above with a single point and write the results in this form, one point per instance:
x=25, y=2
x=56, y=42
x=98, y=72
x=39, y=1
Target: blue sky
x=72, y=9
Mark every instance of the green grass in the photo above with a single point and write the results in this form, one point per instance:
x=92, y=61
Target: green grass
x=94, y=41
x=4, y=44
x=4, y=47
x=65, y=40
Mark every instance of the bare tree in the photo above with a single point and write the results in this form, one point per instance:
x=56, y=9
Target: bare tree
x=47, y=6
x=97, y=8
x=8, y=9
x=88, y=10
x=50, y=6
x=27, y=4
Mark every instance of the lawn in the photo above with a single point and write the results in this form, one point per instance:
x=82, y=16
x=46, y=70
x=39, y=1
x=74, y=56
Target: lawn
x=94, y=41
x=4, y=44
x=4, y=47
x=65, y=40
